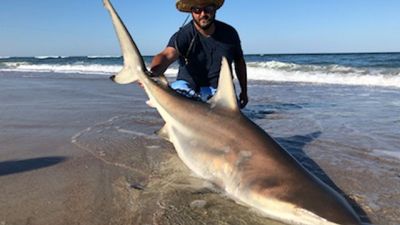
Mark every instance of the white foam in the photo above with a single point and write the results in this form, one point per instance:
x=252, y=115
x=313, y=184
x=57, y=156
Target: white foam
x=333, y=74
x=267, y=71
x=75, y=68
x=14, y=65
x=49, y=57
x=103, y=56
x=171, y=72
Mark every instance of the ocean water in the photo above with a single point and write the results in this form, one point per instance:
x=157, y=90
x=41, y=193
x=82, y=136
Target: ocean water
x=367, y=69
x=338, y=114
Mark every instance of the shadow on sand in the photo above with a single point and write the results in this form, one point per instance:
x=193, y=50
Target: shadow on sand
x=19, y=166
x=295, y=145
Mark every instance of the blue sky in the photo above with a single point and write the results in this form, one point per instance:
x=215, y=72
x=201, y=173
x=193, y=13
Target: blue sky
x=83, y=27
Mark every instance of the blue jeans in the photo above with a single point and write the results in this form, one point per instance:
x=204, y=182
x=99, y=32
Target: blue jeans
x=183, y=87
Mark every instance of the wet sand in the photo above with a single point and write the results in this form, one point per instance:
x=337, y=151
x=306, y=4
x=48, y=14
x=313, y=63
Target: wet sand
x=44, y=178
x=81, y=150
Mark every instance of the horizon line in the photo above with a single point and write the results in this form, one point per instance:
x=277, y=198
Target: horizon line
x=249, y=54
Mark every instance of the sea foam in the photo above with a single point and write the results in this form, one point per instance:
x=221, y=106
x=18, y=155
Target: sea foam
x=359, y=69
x=331, y=74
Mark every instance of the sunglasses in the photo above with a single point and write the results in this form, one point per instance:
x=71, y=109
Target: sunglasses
x=207, y=9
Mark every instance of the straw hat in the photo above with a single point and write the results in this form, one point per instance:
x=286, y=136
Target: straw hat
x=186, y=5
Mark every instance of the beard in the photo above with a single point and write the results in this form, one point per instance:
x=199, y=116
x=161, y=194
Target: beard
x=205, y=21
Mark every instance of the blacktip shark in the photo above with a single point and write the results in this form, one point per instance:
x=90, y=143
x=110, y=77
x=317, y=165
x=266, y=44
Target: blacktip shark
x=218, y=143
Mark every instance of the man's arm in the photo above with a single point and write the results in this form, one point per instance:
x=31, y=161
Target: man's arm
x=163, y=60
x=241, y=73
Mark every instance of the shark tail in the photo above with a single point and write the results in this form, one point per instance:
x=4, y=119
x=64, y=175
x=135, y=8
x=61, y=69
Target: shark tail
x=134, y=65
x=125, y=76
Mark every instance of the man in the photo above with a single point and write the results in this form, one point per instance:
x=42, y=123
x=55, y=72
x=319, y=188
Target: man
x=200, y=46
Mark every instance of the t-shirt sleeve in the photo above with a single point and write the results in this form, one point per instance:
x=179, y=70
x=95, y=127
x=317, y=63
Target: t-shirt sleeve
x=172, y=41
x=180, y=41
x=238, y=50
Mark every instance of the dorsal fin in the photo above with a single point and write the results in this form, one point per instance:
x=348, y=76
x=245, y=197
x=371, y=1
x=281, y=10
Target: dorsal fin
x=225, y=96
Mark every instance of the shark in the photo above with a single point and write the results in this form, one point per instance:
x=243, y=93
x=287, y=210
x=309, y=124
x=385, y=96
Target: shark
x=219, y=143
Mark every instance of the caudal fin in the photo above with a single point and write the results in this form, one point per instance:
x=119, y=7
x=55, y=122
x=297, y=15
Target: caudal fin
x=125, y=76
x=133, y=61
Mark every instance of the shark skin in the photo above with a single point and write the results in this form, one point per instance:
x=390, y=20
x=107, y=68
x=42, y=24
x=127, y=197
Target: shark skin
x=218, y=143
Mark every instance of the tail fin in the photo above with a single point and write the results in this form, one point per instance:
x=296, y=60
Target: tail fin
x=133, y=61
x=125, y=76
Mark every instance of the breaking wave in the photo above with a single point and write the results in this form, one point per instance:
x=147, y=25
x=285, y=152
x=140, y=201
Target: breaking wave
x=357, y=69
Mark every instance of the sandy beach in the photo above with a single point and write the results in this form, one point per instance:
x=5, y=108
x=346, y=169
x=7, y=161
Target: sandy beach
x=81, y=150
x=49, y=174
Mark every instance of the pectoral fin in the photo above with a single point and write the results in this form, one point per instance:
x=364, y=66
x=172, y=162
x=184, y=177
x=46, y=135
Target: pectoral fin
x=163, y=132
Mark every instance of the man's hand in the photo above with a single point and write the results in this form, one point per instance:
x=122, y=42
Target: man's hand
x=243, y=100
x=140, y=84
x=150, y=74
